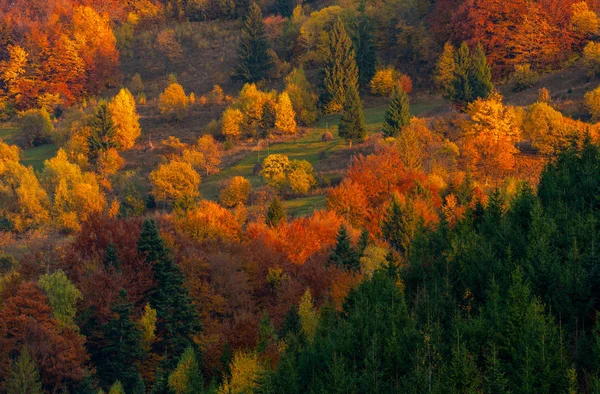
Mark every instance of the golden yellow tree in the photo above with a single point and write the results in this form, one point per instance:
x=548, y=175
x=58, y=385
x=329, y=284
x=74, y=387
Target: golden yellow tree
x=125, y=118
x=209, y=220
x=174, y=180
x=246, y=370
x=591, y=58
x=300, y=177
x=584, y=20
x=212, y=152
x=285, y=117
x=274, y=170
x=231, y=122
x=592, y=103
x=147, y=326
x=235, y=192
x=75, y=194
x=109, y=162
x=22, y=200
x=13, y=69
x=173, y=101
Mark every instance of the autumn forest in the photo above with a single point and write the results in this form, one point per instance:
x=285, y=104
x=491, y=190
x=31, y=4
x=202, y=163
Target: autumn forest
x=299, y=196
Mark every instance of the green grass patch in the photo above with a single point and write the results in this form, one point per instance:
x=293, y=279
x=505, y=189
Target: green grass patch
x=35, y=157
x=304, y=206
x=308, y=147
x=8, y=133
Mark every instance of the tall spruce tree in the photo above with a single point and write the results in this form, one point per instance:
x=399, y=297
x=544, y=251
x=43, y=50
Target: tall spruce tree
x=343, y=254
x=461, y=90
x=275, y=213
x=254, y=61
x=400, y=224
x=340, y=72
x=285, y=7
x=177, y=320
x=398, y=113
x=480, y=74
x=103, y=130
x=24, y=375
x=120, y=349
x=111, y=258
x=352, y=123
x=366, y=57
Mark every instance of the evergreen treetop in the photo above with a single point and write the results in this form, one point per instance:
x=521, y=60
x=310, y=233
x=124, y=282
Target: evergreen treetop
x=254, y=61
x=343, y=254
x=398, y=113
x=352, y=123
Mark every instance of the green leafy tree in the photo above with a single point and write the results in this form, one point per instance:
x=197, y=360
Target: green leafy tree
x=24, y=376
x=121, y=348
x=275, y=213
x=340, y=73
x=343, y=254
x=352, y=123
x=254, y=61
x=398, y=113
x=177, y=319
x=62, y=296
x=304, y=100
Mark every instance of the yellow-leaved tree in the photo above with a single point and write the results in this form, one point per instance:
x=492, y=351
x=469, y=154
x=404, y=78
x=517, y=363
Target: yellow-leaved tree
x=75, y=194
x=285, y=117
x=211, y=151
x=125, y=119
x=22, y=199
x=246, y=370
x=231, y=122
x=173, y=102
x=235, y=192
x=174, y=180
x=592, y=103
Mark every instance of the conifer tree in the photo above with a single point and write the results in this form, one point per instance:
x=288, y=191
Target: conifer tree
x=117, y=388
x=275, y=213
x=398, y=113
x=186, y=378
x=363, y=242
x=111, y=258
x=365, y=49
x=121, y=348
x=340, y=72
x=462, y=91
x=177, y=320
x=343, y=254
x=352, y=123
x=254, y=61
x=285, y=7
x=480, y=74
x=103, y=132
x=24, y=375
x=400, y=224
x=445, y=69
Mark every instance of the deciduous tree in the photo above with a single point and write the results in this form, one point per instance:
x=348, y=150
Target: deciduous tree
x=125, y=118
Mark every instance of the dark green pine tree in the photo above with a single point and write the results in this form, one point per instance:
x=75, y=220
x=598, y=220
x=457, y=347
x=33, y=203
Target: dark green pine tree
x=254, y=61
x=481, y=74
x=285, y=7
x=340, y=72
x=462, y=91
x=291, y=322
x=400, y=224
x=352, y=123
x=275, y=213
x=103, y=130
x=111, y=258
x=24, y=376
x=343, y=254
x=366, y=56
x=398, y=113
x=120, y=349
x=177, y=320
x=363, y=242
